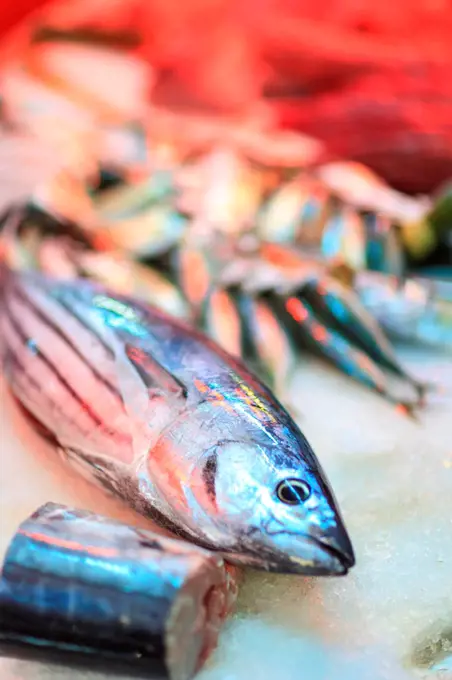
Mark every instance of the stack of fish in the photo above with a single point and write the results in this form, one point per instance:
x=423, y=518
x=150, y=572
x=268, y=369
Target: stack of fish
x=160, y=416
x=178, y=199
x=142, y=231
x=190, y=242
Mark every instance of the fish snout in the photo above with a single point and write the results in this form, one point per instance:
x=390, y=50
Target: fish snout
x=309, y=554
x=338, y=543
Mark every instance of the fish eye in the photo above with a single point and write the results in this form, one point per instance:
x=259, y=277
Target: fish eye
x=293, y=491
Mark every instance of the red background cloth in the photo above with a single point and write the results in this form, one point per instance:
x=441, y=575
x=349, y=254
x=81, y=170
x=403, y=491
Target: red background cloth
x=373, y=80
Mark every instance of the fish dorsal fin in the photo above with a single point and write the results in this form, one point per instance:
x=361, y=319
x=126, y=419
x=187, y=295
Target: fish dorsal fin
x=155, y=376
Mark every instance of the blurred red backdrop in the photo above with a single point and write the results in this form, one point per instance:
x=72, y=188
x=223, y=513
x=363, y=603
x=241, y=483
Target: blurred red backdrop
x=371, y=80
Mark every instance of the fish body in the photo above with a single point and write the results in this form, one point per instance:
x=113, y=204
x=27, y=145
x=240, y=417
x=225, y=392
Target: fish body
x=265, y=342
x=36, y=241
x=247, y=328
x=83, y=588
x=326, y=341
x=221, y=321
x=161, y=416
x=414, y=310
x=339, y=308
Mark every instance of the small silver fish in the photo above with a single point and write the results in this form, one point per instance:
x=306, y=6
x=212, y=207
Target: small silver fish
x=267, y=345
x=412, y=310
x=340, y=309
x=33, y=240
x=164, y=418
x=221, y=321
x=299, y=316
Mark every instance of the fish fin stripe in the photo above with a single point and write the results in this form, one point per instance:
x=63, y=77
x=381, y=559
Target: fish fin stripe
x=37, y=425
x=25, y=376
x=94, y=417
x=44, y=318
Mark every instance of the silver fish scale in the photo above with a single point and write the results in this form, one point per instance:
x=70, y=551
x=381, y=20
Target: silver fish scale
x=191, y=357
x=200, y=445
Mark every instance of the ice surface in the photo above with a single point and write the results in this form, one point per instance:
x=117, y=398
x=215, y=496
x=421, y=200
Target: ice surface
x=391, y=617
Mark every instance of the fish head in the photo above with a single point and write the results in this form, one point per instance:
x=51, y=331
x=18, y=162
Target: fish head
x=276, y=509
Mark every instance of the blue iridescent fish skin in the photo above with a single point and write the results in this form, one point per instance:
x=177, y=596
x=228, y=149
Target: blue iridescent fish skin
x=337, y=309
x=75, y=581
x=163, y=417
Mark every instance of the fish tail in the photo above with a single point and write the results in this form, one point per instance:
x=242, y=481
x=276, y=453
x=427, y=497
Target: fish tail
x=405, y=408
x=424, y=389
x=402, y=395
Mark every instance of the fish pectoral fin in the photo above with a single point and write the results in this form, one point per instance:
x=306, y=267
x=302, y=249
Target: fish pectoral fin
x=155, y=376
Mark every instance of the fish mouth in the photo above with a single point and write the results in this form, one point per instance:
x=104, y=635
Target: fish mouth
x=322, y=559
x=304, y=555
x=341, y=561
x=338, y=545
